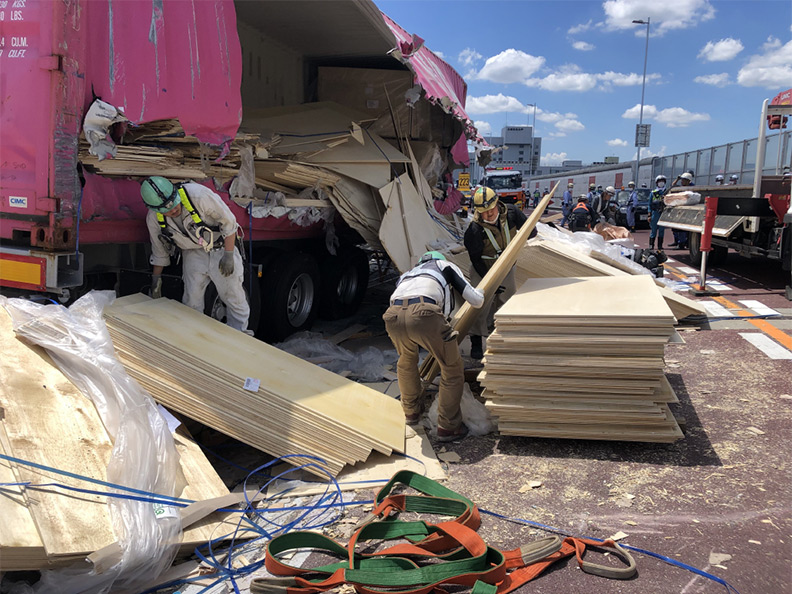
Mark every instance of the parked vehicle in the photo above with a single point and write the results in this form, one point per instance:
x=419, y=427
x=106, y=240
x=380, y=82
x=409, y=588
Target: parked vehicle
x=507, y=183
x=641, y=213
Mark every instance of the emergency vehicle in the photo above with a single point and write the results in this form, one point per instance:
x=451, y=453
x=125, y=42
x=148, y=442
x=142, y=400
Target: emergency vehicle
x=507, y=183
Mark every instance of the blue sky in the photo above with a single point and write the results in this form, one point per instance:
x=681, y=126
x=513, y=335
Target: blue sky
x=710, y=66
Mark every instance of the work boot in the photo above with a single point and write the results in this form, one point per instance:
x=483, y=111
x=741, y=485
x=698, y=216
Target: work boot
x=651, y=243
x=451, y=434
x=476, y=348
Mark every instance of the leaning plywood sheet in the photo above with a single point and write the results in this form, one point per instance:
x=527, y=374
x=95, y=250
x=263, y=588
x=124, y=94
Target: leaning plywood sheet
x=202, y=366
x=407, y=229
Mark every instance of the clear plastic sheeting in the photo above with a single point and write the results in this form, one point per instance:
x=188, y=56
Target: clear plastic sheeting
x=474, y=414
x=367, y=365
x=586, y=242
x=144, y=455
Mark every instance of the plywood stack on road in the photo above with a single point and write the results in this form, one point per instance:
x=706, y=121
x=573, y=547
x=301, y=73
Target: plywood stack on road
x=582, y=358
x=199, y=367
x=541, y=258
x=47, y=421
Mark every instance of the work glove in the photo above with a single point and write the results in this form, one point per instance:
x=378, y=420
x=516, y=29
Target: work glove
x=156, y=286
x=227, y=263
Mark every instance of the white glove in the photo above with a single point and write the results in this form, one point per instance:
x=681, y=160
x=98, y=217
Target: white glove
x=227, y=263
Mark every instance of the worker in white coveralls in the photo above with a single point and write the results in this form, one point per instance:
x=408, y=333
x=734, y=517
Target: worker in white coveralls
x=418, y=317
x=194, y=219
x=494, y=225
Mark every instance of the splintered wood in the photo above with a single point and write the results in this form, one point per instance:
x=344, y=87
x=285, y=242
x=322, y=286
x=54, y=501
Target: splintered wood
x=47, y=421
x=250, y=390
x=582, y=358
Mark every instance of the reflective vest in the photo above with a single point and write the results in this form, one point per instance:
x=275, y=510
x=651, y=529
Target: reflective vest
x=581, y=216
x=207, y=236
x=431, y=269
x=498, y=235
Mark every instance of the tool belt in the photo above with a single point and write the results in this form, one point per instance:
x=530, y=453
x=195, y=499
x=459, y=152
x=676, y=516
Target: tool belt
x=448, y=553
x=413, y=300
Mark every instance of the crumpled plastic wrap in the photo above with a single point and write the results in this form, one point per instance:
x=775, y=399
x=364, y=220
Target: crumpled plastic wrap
x=96, y=127
x=475, y=415
x=244, y=184
x=585, y=242
x=144, y=455
x=367, y=365
x=686, y=198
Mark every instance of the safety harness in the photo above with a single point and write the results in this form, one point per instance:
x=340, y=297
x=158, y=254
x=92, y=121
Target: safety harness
x=448, y=553
x=431, y=269
x=207, y=236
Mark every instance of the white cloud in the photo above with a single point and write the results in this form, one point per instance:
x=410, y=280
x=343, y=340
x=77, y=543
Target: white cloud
x=484, y=128
x=553, y=158
x=571, y=78
x=771, y=70
x=716, y=80
x=440, y=55
x=583, y=46
x=569, y=126
x=672, y=117
x=510, y=66
x=469, y=56
x=647, y=153
x=551, y=117
x=495, y=104
x=664, y=16
x=617, y=142
x=582, y=28
x=721, y=51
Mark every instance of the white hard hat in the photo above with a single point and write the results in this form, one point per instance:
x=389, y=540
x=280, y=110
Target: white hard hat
x=632, y=183
x=570, y=185
x=687, y=175
x=660, y=177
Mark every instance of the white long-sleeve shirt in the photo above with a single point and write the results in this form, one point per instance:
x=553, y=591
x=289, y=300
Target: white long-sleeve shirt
x=209, y=206
x=434, y=280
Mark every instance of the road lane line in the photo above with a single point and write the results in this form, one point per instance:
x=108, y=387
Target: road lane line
x=716, y=310
x=765, y=344
x=760, y=308
x=763, y=325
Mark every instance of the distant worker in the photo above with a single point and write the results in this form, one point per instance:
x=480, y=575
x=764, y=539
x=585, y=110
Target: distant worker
x=493, y=227
x=194, y=219
x=583, y=217
x=632, y=206
x=733, y=179
x=592, y=193
x=719, y=180
x=566, y=203
x=536, y=197
x=418, y=317
x=656, y=206
x=681, y=237
x=607, y=205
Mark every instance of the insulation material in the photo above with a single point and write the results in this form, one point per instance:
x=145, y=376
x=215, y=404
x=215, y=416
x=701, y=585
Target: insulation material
x=96, y=128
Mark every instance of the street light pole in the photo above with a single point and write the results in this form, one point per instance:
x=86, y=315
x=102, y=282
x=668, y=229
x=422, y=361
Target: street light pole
x=533, y=134
x=643, y=91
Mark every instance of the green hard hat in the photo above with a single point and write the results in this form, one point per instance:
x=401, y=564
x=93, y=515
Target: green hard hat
x=432, y=256
x=159, y=194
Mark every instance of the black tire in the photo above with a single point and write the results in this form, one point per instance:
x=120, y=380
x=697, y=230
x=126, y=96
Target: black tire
x=289, y=296
x=716, y=257
x=215, y=308
x=344, y=282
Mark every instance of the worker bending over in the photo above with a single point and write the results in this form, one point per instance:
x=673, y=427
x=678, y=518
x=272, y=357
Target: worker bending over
x=583, y=217
x=493, y=227
x=418, y=317
x=194, y=219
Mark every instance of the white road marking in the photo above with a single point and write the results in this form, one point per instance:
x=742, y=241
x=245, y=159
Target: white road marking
x=716, y=284
x=767, y=345
x=760, y=308
x=716, y=310
x=688, y=270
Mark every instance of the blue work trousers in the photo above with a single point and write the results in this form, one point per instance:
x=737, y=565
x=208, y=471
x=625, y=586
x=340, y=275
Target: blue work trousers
x=653, y=226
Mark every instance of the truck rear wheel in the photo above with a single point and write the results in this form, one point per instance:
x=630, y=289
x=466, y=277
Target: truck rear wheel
x=289, y=296
x=716, y=257
x=344, y=282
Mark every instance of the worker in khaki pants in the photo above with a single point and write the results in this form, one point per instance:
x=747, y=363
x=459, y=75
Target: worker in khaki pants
x=493, y=227
x=418, y=317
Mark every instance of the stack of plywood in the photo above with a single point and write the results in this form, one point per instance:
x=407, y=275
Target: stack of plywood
x=582, y=358
x=541, y=258
x=250, y=390
x=47, y=421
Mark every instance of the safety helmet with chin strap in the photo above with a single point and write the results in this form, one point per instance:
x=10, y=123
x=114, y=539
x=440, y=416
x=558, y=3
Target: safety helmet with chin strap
x=433, y=255
x=159, y=194
x=484, y=198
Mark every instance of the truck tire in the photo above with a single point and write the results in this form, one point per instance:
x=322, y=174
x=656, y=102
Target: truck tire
x=716, y=257
x=344, y=281
x=289, y=296
x=215, y=308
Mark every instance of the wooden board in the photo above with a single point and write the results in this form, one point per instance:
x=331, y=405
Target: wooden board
x=196, y=358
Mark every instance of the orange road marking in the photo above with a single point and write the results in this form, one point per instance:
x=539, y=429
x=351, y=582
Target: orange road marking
x=763, y=325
